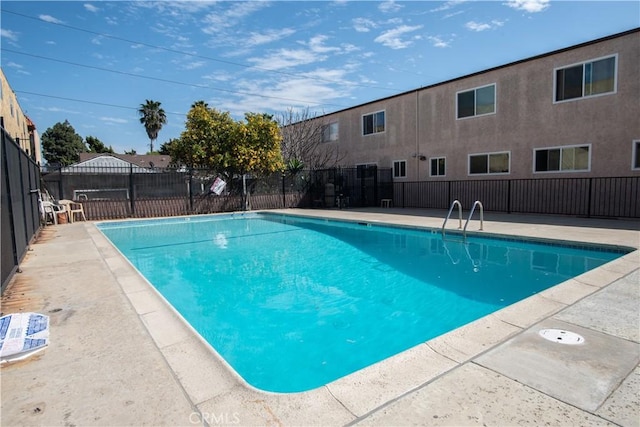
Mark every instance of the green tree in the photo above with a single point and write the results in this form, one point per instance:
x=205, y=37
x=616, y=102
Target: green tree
x=61, y=144
x=131, y=152
x=165, y=148
x=206, y=140
x=257, y=145
x=94, y=145
x=153, y=117
x=213, y=139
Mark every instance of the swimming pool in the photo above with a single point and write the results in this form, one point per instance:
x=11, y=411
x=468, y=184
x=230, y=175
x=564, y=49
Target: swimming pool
x=294, y=303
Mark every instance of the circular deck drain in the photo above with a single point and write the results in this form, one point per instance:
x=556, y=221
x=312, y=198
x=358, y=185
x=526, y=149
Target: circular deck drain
x=562, y=337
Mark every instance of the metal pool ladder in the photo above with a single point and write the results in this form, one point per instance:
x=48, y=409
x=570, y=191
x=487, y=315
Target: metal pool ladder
x=466, y=224
x=453, y=205
x=473, y=208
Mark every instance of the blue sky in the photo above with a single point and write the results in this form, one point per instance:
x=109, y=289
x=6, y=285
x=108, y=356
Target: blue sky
x=94, y=63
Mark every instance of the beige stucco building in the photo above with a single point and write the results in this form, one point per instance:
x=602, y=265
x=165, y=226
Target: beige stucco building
x=16, y=123
x=572, y=112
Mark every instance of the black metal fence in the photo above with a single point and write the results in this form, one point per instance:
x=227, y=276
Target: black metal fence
x=110, y=193
x=19, y=201
x=614, y=197
x=354, y=187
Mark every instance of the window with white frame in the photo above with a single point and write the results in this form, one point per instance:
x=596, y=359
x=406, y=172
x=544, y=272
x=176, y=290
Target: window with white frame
x=330, y=132
x=400, y=169
x=437, y=166
x=570, y=158
x=587, y=79
x=489, y=163
x=373, y=123
x=636, y=154
x=476, y=102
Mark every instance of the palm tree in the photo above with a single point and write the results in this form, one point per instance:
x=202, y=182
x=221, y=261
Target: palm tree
x=152, y=117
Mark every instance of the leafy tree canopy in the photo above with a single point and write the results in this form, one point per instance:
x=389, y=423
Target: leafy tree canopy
x=94, y=145
x=165, y=148
x=61, y=144
x=131, y=152
x=215, y=140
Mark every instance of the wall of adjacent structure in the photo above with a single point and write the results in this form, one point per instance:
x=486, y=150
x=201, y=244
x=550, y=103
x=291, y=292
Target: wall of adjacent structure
x=423, y=122
x=15, y=122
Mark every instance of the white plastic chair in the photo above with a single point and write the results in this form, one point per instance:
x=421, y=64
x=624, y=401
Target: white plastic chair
x=51, y=210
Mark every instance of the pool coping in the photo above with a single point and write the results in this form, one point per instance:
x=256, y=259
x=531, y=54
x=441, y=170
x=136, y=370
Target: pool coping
x=354, y=397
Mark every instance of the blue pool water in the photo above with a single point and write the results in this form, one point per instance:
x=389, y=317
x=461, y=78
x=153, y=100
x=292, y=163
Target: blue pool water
x=293, y=303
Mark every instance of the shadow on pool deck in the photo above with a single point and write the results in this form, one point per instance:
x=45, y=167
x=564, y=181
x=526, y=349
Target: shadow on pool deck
x=120, y=356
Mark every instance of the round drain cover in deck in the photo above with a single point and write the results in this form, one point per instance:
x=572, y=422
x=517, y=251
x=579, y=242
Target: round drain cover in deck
x=562, y=337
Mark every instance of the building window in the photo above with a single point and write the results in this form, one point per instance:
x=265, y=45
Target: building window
x=11, y=108
x=489, y=163
x=562, y=159
x=400, y=169
x=373, y=123
x=587, y=79
x=437, y=166
x=330, y=132
x=636, y=154
x=477, y=102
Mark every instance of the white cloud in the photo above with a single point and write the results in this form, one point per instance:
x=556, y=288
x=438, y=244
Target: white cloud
x=389, y=6
x=392, y=38
x=438, y=42
x=14, y=65
x=280, y=95
x=219, y=76
x=363, y=25
x=285, y=58
x=223, y=19
x=316, y=44
x=531, y=6
x=8, y=34
x=478, y=26
x=268, y=36
x=58, y=110
x=113, y=120
x=193, y=65
x=51, y=19
x=448, y=5
x=50, y=42
x=90, y=7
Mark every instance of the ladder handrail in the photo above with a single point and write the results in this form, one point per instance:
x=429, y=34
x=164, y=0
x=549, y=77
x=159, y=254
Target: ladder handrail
x=476, y=203
x=453, y=204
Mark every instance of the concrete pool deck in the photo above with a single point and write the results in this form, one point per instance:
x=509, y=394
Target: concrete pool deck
x=120, y=356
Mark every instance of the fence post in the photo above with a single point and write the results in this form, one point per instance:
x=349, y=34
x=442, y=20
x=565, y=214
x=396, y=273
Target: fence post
x=60, y=195
x=376, y=200
x=589, y=198
x=284, y=196
x=132, y=197
x=509, y=197
x=191, y=189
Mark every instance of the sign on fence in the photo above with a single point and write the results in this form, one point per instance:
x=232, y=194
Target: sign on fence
x=218, y=186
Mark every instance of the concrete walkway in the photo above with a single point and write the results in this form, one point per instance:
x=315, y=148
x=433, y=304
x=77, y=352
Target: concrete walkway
x=119, y=355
